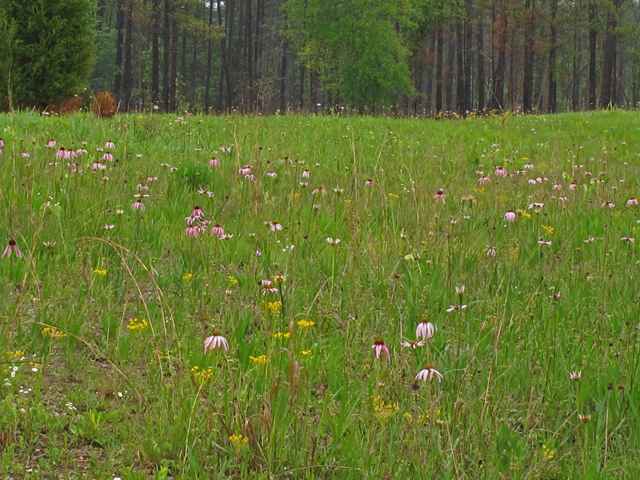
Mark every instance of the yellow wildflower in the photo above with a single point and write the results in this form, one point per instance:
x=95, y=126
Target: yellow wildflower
x=260, y=360
x=294, y=195
x=392, y=195
x=547, y=453
x=478, y=190
x=233, y=280
x=15, y=353
x=548, y=229
x=52, y=332
x=135, y=324
x=282, y=335
x=306, y=323
x=188, y=276
x=524, y=214
x=102, y=273
x=203, y=374
x=238, y=441
x=305, y=352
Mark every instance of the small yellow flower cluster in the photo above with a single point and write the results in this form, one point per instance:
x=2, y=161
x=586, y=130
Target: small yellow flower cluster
x=478, y=190
x=99, y=272
x=233, y=280
x=260, y=360
x=15, y=353
x=188, y=276
x=347, y=201
x=238, y=441
x=424, y=417
x=306, y=323
x=273, y=306
x=52, y=332
x=294, y=195
x=547, y=453
x=282, y=335
x=306, y=352
x=135, y=324
x=548, y=229
x=500, y=197
x=515, y=253
x=383, y=410
x=204, y=374
x=524, y=214
x=392, y=195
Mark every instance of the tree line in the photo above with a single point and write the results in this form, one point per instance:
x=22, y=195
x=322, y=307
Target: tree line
x=409, y=57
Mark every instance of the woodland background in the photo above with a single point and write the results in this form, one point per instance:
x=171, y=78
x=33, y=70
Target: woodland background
x=406, y=57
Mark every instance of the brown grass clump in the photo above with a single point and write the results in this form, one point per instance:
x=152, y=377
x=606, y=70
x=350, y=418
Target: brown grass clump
x=68, y=105
x=104, y=106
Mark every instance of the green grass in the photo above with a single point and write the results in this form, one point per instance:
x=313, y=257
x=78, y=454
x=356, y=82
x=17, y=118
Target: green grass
x=93, y=392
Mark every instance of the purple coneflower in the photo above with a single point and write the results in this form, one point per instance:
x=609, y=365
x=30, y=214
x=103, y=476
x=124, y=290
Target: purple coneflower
x=510, y=216
x=225, y=149
x=109, y=144
x=213, y=162
x=107, y=156
x=413, y=344
x=628, y=239
x=274, y=226
x=60, y=153
x=246, y=170
x=305, y=174
x=272, y=174
x=141, y=187
x=368, y=183
x=215, y=341
x=608, y=204
x=12, y=248
x=501, y=172
x=632, y=201
x=425, y=329
x=491, y=251
x=440, y=196
x=320, y=190
x=151, y=179
x=484, y=180
x=572, y=186
x=428, y=373
x=51, y=144
x=333, y=241
x=267, y=287
x=138, y=205
x=98, y=166
x=192, y=231
x=456, y=308
x=528, y=166
x=556, y=186
x=535, y=205
x=217, y=231
x=379, y=347
x=542, y=241
x=25, y=155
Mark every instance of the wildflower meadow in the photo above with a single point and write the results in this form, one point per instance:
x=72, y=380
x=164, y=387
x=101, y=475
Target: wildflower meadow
x=310, y=297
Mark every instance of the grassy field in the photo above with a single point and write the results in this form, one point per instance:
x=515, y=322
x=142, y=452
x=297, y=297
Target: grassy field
x=320, y=245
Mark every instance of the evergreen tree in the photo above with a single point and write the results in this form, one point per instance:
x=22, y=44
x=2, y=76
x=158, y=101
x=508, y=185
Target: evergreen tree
x=53, y=45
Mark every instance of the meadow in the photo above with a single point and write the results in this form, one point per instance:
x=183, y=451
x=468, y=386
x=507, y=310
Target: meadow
x=319, y=297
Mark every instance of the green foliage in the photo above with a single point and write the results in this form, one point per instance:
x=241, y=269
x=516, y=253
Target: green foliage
x=356, y=46
x=53, y=42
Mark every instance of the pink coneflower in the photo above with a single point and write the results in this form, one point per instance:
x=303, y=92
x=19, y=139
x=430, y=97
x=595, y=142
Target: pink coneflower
x=632, y=201
x=215, y=341
x=428, y=373
x=217, y=231
x=425, y=329
x=108, y=227
x=556, y=186
x=510, y=216
x=338, y=191
x=274, y=226
x=82, y=151
x=1, y=143
x=563, y=198
x=532, y=181
x=151, y=179
x=213, y=162
x=109, y=144
x=173, y=169
x=69, y=155
x=528, y=166
x=267, y=287
x=12, y=248
x=165, y=165
x=246, y=170
x=368, y=183
x=484, y=180
x=52, y=143
x=98, y=166
x=272, y=174
x=304, y=184
x=226, y=236
x=305, y=174
x=491, y=251
x=535, y=205
x=608, y=204
x=193, y=230
x=589, y=240
x=379, y=347
x=555, y=296
x=333, y=241
x=60, y=153
x=25, y=155
x=440, y=196
x=413, y=344
x=138, y=205
x=197, y=212
x=501, y=172
x=456, y=308
x=320, y=190
x=629, y=239
x=141, y=187
x=225, y=149
x=542, y=241
x=107, y=156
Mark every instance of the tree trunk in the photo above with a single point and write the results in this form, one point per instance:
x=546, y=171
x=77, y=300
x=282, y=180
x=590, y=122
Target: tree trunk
x=174, y=66
x=608, y=65
x=439, y=68
x=117, y=83
x=575, y=90
x=155, y=53
x=448, y=72
x=460, y=105
x=128, y=77
x=527, y=80
x=592, y=54
x=301, y=93
x=467, y=55
x=497, y=96
x=207, y=81
x=166, y=56
x=249, y=57
x=480, y=53
x=553, y=49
